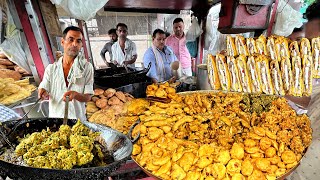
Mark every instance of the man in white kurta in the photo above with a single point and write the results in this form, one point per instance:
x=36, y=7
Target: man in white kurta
x=124, y=51
x=70, y=76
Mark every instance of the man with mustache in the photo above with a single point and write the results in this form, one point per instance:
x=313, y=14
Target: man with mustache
x=71, y=75
x=161, y=58
x=124, y=51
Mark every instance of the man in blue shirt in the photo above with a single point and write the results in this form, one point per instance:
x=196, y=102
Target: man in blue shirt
x=161, y=58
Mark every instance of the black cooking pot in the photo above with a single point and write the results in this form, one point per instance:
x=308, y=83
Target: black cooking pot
x=113, y=78
x=119, y=146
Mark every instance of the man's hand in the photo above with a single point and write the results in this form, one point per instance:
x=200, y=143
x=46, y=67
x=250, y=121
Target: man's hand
x=72, y=95
x=43, y=94
x=115, y=62
x=126, y=62
x=172, y=80
x=77, y=96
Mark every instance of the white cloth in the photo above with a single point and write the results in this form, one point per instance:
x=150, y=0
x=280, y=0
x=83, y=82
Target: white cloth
x=80, y=79
x=186, y=71
x=129, y=51
x=159, y=64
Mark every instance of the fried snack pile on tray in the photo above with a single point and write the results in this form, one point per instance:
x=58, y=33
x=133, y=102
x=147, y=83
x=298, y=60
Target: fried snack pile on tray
x=162, y=90
x=109, y=107
x=273, y=65
x=63, y=149
x=216, y=136
x=107, y=100
x=12, y=91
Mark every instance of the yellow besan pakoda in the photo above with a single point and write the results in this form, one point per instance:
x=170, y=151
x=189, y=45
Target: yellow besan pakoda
x=63, y=149
x=221, y=136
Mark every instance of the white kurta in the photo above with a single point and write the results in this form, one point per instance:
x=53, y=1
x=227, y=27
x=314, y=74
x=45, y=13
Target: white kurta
x=80, y=79
x=129, y=51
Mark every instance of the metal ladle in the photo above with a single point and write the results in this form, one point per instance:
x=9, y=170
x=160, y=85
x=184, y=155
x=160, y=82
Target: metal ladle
x=66, y=109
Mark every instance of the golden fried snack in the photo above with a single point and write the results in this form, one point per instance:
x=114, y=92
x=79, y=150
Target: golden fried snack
x=213, y=72
x=136, y=149
x=307, y=65
x=294, y=49
x=206, y=150
x=237, y=151
x=109, y=92
x=251, y=44
x=177, y=172
x=181, y=121
x=231, y=48
x=204, y=162
x=234, y=166
x=113, y=101
x=238, y=176
x=246, y=167
x=263, y=164
x=257, y=174
x=282, y=48
x=244, y=75
x=288, y=157
x=271, y=48
x=6, y=73
x=234, y=74
x=250, y=143
x=98, y=91
x=279, y=172
x=276, y=78
x=223, y=157
x=161, y=93
x=264, y=74
x=270, y=152
x=191, y=175
x=218, y=170
x=91, y=107
x=305, y=47
x=186, y=161
x=287, y=75
x=163, y=169
x=154, y=133
x=240, y=44
x=255, y=82
x=101, y=103
x=315, y=44
x=261, y=45
x=265, y=143
x=223, y=71
x=121, y=96
x=94, y=98
x=161, y=160
x=151, y=167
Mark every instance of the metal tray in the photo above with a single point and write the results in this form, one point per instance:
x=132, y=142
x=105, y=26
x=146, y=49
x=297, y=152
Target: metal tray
x=216, y=91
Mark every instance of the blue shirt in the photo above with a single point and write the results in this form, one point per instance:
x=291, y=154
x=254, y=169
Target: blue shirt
x=168, y=56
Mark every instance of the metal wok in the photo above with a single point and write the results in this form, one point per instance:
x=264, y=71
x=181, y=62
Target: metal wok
x=119, y=146
x=120, y=77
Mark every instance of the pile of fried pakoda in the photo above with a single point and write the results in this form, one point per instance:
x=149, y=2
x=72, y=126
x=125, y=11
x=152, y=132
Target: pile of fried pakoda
x=273, y=65
x=162, y=90
x=107, y=99
x=212, y=136
x=12, y=91
x=62, y=149
x=107, y=106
